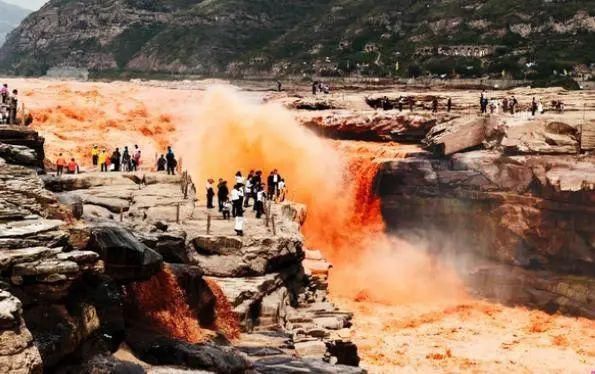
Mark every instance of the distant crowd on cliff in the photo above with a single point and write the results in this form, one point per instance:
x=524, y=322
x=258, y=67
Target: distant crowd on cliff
x=9, y=102
x=486, y=105
x=125, y=160
x=232, y=203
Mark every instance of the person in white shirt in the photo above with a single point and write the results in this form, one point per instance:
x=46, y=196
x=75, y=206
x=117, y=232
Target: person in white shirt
x=248, y=190
x=281, y=190
x=239, y=178
x=239, y=225
x=236, y=201
x=226, y=209
x=259, y=204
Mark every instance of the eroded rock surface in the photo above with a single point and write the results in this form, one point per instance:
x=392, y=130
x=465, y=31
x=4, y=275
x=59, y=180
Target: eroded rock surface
x=534, y=212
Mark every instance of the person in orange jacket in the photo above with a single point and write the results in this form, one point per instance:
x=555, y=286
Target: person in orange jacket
x=60, y=164
x=72, y=167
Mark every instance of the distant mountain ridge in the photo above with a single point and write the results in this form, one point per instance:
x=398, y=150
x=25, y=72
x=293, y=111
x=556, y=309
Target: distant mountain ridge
x=10, y=17
x=531, y=38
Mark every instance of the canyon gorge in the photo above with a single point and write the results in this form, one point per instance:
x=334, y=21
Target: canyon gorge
x=409, y=241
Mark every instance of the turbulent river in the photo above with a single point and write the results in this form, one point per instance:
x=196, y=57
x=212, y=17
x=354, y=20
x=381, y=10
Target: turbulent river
x=411, y=311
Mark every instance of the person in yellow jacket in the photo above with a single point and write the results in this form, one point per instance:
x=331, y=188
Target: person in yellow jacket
x=95, y=155
x=102, y=159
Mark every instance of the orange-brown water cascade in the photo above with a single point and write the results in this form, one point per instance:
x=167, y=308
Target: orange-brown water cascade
x=344, y=219
x=161, y=302
x=226, y=322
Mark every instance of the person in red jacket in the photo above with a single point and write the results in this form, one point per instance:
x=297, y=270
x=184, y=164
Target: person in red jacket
x=72, y=167
x=60, y=165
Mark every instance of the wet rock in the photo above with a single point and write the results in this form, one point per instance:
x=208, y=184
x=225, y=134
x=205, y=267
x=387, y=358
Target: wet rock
x=160, y=350
x=125, y=257
x=198, y=295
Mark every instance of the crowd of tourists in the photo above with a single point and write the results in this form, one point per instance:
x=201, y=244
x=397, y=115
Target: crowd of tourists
x=251, y=188
x=9, y=102
x=119, y=160
x=486, y=105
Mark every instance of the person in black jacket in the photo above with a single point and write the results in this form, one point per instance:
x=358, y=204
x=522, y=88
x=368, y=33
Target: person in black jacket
x=270, y=186
x=256, y=181
x=210, y=194
x=161, y=163
x=115, y=159
x=171, y=162
x=222, y=193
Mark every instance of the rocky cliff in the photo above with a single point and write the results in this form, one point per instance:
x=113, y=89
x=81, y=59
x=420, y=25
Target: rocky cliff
x=466, y=38
x=96, y=264
x=517, y=218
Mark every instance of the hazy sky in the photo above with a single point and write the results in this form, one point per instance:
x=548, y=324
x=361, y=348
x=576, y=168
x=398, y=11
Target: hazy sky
x=28, y=4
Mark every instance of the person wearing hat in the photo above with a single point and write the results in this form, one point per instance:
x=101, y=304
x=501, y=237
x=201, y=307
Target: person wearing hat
x=95, y=155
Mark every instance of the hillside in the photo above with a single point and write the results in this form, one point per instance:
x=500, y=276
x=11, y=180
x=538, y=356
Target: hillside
x=10, y=17
x=520, y=39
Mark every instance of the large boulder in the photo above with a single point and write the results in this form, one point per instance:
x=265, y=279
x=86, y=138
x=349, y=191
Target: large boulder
x=19, y=155
x=227, y=256
x=169, y=244
x=26, y=137
x=125, y=257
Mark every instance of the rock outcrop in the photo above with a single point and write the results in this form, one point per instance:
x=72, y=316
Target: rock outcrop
x=531, y=212
x=375, y=126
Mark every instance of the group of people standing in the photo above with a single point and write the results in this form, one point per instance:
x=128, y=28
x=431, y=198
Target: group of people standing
x=168, y=162
x=387, y=104
x=8, y=105
x=508, y=104
x=118, y=161
x=232, y=203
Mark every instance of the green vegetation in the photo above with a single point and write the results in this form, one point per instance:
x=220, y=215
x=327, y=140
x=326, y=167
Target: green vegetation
x=334, y=38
